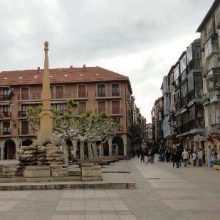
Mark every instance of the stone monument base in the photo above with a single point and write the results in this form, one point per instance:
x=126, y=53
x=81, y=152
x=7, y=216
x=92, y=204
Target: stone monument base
x=8, y=168
x=36, y=172
x=58, y=170
x=91, y=172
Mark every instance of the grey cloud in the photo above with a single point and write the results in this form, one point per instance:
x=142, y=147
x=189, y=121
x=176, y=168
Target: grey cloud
x=82, y=31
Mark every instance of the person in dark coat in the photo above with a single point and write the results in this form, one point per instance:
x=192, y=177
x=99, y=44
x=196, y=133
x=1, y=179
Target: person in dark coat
x=142, y=156
x=174, y=157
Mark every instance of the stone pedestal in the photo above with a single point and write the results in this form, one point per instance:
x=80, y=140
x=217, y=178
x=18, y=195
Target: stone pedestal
x=91, y=172
x=56, y=171
x=36, y=172
x=8, y=169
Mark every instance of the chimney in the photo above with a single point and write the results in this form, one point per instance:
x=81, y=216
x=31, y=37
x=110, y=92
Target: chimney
x=38, y=70
x=84, y=69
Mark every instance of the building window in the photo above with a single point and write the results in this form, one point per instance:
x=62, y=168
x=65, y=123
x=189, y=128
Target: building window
x=81, y=91
x=101, y=106
x=115, y=90
x=24, y=93
x=6, y=91
x=101, y=90
x=58, y=106
x=59, y=92
x=81, y=107
x=4, y=108
x=115, y=107
x=23, y=112
x=6, y=128
x=24, y=127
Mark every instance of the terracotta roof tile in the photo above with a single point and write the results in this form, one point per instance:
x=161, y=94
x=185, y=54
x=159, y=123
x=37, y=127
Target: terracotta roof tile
x=64, y=75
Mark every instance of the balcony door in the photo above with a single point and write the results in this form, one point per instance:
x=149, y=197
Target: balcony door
x=101, y=90
x=101, y=106
x=115, y=107
x=24, y=127
x=81, y=91
x=115, y=89
x=6, y=128
x=59, y=92
x=24, y=93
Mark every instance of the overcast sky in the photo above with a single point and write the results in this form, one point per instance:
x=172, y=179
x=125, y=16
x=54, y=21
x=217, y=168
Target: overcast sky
x=138, y=38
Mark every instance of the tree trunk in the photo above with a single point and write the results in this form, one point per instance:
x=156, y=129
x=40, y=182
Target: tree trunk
x=65, y=150
x=74, y=148
x=90, y=154
x=82, y=156
x=94, y=148
x=101, y=150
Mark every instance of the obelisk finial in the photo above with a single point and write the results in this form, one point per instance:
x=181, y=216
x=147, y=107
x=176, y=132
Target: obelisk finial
x=46, y=60
x=46, y=45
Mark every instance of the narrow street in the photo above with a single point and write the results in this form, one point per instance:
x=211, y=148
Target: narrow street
x=162, y=193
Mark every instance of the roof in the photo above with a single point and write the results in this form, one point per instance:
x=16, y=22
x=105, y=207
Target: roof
x=208, y=15
x=60, y=75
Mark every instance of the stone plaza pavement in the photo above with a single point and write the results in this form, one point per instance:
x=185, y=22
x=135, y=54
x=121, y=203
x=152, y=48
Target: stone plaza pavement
x=162, y=193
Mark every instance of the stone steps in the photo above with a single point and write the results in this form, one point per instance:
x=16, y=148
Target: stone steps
x=64, y=185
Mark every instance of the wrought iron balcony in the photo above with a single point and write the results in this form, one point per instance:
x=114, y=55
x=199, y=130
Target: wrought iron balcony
x=22, y=113
x=5, y=97
x=5, y=114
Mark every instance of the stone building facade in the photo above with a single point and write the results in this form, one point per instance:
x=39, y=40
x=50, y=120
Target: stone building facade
x=149, y=135
x=188, y=112
x=182, y=90
x=157, y=115
x=210, y=45
x=191, y=91
x=94, y=88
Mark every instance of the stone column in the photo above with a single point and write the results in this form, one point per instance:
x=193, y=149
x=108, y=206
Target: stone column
x=46, y=116
x=110, y=146
x=2, y=149
x=100, y=150
x=17, y=145
x=74, y=148
x=125, y=141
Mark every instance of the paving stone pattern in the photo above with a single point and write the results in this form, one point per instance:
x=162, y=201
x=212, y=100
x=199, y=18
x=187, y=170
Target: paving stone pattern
x=162, y=193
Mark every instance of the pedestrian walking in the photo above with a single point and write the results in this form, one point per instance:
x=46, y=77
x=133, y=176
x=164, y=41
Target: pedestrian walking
x=142, y=156
x=185, y=156
x=152, y=155
x=174, y=157
x=167, y=153
x=146, y=156
x=200, y=156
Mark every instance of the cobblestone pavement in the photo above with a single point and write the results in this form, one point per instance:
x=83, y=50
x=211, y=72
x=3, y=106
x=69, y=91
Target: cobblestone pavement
x=162, y=193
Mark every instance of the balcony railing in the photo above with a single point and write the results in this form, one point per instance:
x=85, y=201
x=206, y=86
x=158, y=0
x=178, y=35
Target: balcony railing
x=37, y=96
x=26, y=132
x=34, y=96
x=72, y=95
x=5, y=114
x=178, y=105
x=107, y=93
x=5, y=97
x=22, y=113
x=194, y=124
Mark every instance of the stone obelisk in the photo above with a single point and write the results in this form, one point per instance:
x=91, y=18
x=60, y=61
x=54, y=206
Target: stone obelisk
x=46, y=116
